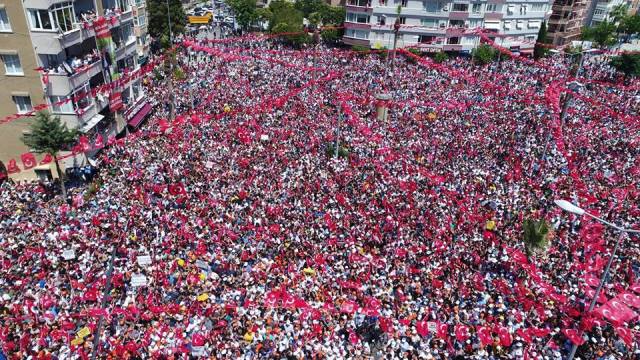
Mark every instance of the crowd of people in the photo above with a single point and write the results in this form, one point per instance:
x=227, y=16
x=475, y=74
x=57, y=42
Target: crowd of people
x=237, y=231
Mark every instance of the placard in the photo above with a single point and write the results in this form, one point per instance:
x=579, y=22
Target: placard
x=432, y=326
x=198, y=351
x=202, y=265
x=208, y=165
x=144, y=260
x=69, y=254
x=84, y=332
x=138, y=280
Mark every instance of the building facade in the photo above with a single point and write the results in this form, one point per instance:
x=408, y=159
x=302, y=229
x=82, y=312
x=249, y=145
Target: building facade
x=445, y=25
x=62, y=55
x=602, y=10
x=567, y=19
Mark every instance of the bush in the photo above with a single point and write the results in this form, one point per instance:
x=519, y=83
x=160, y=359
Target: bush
x=484, y=54
x=441, y=57
x=360, y=49
x=330, y=150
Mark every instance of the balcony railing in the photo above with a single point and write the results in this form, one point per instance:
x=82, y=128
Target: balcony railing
x=61, y=84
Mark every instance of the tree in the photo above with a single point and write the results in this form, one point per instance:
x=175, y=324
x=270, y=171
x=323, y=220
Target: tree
x=441, y=57
x=628, y=64
x=618, y=13
x=158, y=25
x=286, y=19
x=602, y=35
x=536, y=236
x=483, y=54
x=539, y=50
x=48, y=135
x=307, y=7
x=246, y=12
x=629, y=25
x=332, y=15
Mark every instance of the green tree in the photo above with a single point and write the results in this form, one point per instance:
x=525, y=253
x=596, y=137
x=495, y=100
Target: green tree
x=307, y=7
x=285, y=18
x=628, y=64
x=484, y=54
x=158, y=24
x=602, y=35
x=332, y=15
x=536, y=236
x=629, y=25
x=49, y=135
x=441, y=57
x=618, y=13
x=246, y=12
x=539, y=50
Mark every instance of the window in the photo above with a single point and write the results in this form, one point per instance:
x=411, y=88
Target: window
x=4, y=21
x=358, y=18
x=142, y=20
x=64, y=108
x=523, y=9
x=476, y=8
x=382, y=20
x=403, y=20
x=83, y=96
x=538, y=7
x=534, y=24
x=358, y=34
x=40, y=20
x=123, y=5
x=430, y=23
x=12, y=65
x=461, y=7
x=507, y=25
x=492, y=8
x=64, y=16
x=427, y=39
x=405, y=3
x=23, y=103
x=511, y=9
x=520, y=24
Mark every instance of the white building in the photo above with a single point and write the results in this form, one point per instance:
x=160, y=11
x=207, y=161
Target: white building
x=602, y=10
x=445, y=25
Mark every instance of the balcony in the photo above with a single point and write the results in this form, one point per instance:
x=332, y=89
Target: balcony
x=61, y=84
x=458, y=15
x=353, y=25
x=40, y=4
x=126, y=49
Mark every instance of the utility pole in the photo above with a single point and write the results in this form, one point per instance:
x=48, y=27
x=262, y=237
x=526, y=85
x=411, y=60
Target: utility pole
x=105, y=296
x=316, y=42
x=396, y=30
x=338, y=136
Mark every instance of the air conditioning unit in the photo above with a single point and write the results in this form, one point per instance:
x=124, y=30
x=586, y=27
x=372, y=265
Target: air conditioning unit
x=446, y=8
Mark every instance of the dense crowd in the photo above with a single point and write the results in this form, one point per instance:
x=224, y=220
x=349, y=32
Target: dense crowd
x=232, y=231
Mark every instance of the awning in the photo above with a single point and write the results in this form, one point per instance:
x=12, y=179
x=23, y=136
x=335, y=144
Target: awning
x=137, y=118
x=91, y=123
x=492, y=25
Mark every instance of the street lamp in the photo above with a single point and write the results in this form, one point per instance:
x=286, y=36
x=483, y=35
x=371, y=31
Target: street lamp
x=569, y=207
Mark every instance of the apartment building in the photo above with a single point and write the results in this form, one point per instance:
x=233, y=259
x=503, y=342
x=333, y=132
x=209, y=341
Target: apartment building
x=55, y=50
x=445, y=25
x=567, y=19
x=602, y=10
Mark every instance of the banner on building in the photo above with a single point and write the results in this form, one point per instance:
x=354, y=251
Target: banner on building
x=115, y=101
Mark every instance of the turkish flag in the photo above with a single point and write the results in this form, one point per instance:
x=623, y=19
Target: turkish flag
x=47, y=159
x=621, y=310
x=348, y=307
x=99, y=143
x=462, y=332
x=28, y=160
x=505, y=336
x=625, y=335
x=629, y=299
x=484, y=334
x=591, y=280
x=442, y=330
x=574, y=336
x=83, y=143
x=272, y=299
x=422, y=328
x=12, y=167
x=525, y=334
x=176, y=189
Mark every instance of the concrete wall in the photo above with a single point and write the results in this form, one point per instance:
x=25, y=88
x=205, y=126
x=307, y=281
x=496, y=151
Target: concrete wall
x=17, y=40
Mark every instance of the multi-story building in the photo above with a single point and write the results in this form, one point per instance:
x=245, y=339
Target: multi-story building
x=140, y=29
x=60, y=54
x=567, y=19
x=445, y=25
x=602, y=10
